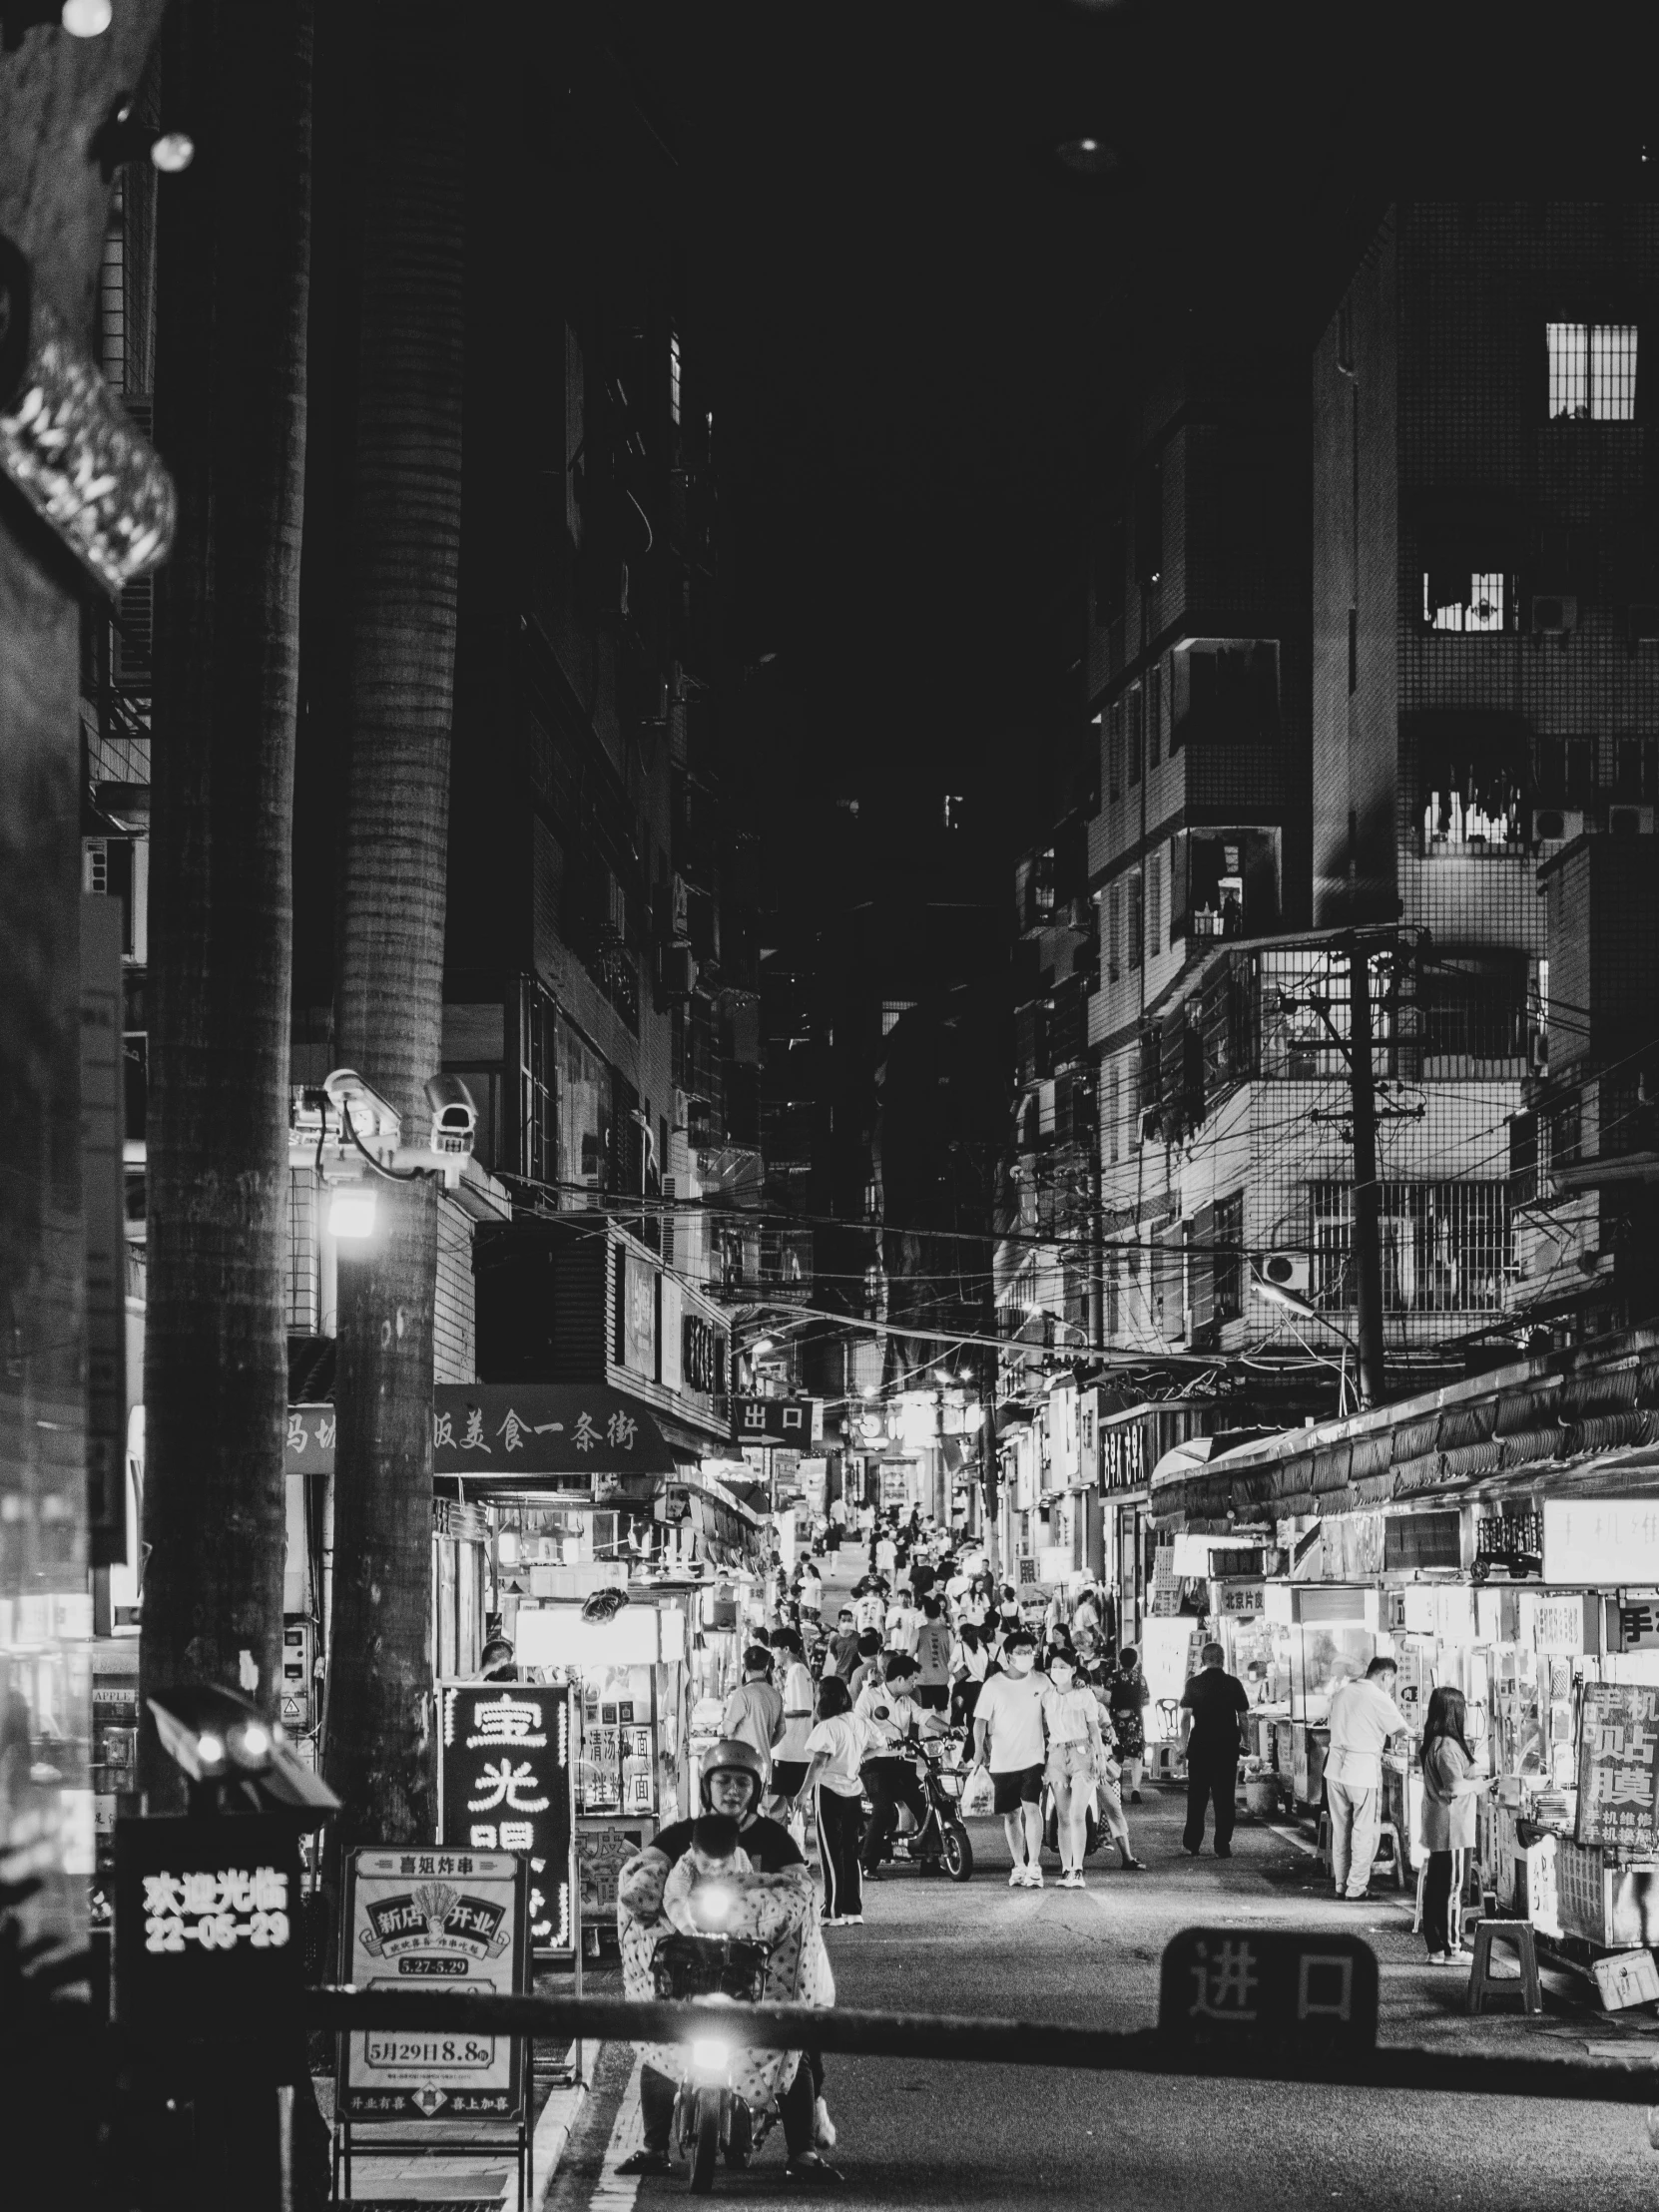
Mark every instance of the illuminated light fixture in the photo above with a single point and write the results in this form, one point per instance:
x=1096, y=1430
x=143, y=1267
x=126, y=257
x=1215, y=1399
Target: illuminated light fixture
x=763, y=1347
x=173, y=152
x=122, y=138
x=869, y=1391
x=86, y=18
x=351, y=1210
x=1088, y=157
x=209, y=1751
x=710, y=2053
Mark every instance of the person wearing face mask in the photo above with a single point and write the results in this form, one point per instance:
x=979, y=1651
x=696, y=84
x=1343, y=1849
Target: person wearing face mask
x=1076, y=1756
x=1008, y=1740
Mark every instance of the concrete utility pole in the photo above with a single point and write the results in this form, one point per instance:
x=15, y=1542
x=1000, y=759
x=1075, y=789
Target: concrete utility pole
x=1367, y=1193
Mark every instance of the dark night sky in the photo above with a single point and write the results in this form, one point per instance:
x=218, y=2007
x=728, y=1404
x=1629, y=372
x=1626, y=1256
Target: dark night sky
x=920, y=324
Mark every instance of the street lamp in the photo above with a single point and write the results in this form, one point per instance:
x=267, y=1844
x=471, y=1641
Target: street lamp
x=1276, y=1295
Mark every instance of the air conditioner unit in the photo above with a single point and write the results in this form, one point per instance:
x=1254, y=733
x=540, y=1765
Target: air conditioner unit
x=1630, y=822
x=1286, y=1271
x=1554, y=615
x=1538, y=1051
x=1556, y=824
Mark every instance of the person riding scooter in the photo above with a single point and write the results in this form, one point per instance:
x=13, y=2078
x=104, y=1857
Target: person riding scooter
x=732, y=1784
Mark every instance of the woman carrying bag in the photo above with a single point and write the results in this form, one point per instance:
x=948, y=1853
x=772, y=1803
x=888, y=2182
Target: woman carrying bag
x=1451, y=1782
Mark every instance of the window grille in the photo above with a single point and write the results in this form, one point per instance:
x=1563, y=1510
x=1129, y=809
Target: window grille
x=1446, y=1246
x=1137, y=919
x=1481, y=611
x=1592, y=372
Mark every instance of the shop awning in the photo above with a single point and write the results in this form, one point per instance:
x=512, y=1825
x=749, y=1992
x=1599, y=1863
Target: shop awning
x=581, y=1439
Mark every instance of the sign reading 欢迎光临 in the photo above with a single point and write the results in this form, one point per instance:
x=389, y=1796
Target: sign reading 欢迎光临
x=417, y=1919
x=506, y=1785
x=208, y=1948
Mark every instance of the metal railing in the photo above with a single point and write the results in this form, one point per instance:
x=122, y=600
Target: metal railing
x=1625, y=2079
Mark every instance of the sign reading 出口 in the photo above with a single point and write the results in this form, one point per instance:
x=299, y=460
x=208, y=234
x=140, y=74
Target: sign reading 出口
x=507, y=1785
x=780, y=1421
x=449, y=1919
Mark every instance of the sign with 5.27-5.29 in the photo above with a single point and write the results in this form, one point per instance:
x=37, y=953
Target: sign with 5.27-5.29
x=423, y=1919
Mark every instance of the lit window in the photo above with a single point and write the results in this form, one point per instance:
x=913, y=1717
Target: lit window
x=954, y=804
x=1592, y=372
x=1482, y=609
x=674, y=377
x=894, y=1011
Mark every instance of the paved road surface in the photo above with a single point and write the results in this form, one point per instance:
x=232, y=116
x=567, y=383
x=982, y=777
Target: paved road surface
x=917, y=2136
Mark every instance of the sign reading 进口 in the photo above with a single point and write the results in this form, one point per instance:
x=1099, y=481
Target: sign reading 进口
x=1239, y=1985
x=1618, y=1784
x=449, y=1919
x=506, y=1785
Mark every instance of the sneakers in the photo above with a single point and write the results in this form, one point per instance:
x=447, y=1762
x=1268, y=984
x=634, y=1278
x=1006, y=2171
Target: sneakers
x=1135, y=1797
x=1016, y=1878
x=809, y=2166
x=1072, y=1878
x=1134, y=1865
x=851, y=1920
x=647, y=2162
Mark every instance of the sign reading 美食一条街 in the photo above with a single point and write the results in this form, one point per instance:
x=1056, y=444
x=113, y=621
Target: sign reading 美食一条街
x=1618, y=1766
x=207, y=1933
x=423, y=1919
x=506, y=1783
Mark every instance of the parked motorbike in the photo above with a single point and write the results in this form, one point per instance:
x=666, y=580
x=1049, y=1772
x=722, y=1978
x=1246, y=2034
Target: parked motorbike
x=710, y=2116
x=940, y=1839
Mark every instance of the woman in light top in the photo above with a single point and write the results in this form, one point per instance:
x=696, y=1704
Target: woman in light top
x=1451, y=1782
x=1082, y=1768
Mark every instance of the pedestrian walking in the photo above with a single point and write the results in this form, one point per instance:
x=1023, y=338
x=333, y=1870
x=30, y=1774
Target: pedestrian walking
x=868, y=1663
x=1363, y=1716
x=1127, y=1698
x=836, y=1749
x=869, y=1604
x=970, y=1663
x=753, y=1712
x=1215, y=1699
x=932, y=1656
x=788, y=1752
x=1008, y=1741
x=1076, y=1759
x=1452, y=1778
x=842, y=1656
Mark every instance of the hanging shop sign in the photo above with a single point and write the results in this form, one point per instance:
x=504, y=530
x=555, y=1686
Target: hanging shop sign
x=1632, y=1622
x=1617, y=1777
x=638, y=1314
x=782, y=1420
x=454, y=1920
x=1589, y=1540
x=1241, y=1600
x=207, y=1951
x=702, y=1356
x=506, y=1784
x=499, y=1432
x=1166, y=1583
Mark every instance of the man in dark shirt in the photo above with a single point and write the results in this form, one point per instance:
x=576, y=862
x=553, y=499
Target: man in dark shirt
x=1215, y=1699
x=842, y=1654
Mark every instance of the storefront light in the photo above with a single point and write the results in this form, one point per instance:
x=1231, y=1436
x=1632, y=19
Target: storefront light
x=351, y=1210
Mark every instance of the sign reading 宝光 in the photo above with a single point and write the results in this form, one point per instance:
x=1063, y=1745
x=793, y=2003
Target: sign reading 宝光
x=1618, y=1784
x=1221, y=1985
x=506, y=1785
x=414, y=1918
x=208, y=1948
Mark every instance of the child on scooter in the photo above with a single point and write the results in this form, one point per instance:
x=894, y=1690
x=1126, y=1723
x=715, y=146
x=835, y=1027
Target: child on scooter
x=715, y=1856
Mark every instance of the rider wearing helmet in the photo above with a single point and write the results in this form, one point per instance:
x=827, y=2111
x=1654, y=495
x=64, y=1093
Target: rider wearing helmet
x=734, y=1782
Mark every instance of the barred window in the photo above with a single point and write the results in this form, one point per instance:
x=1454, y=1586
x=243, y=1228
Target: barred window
x=1446, y=1246
x=1481, y=610
x=1592, y=372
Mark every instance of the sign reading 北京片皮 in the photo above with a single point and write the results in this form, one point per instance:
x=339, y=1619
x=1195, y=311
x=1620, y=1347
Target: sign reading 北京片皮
x=506, y=1784
x=435, y=1918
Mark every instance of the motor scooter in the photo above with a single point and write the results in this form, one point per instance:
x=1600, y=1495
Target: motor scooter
x=940, y=1839
x=710, y=2115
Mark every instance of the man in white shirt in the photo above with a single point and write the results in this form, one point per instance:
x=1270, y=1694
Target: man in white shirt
x=869, y=1607
x=903, y=1627
x=1008, y=1739
x=1363, y=1716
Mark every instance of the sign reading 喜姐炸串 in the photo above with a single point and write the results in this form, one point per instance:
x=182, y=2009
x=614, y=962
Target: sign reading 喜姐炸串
x=419, y=1919
x=506, y=1785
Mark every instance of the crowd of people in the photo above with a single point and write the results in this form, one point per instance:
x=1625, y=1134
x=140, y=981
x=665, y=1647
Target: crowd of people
x=1035, y=1707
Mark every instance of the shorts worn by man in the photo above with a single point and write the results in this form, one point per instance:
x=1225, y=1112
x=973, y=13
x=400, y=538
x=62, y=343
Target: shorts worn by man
x=1363, y=1716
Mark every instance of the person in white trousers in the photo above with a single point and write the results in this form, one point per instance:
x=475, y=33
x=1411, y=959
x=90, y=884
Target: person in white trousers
x=1363, y=1717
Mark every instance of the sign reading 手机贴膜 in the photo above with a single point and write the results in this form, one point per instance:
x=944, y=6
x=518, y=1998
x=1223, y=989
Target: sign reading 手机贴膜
x=415, y=1919
x=1618, y=1770
x=208, y=1948
x=506, y=1779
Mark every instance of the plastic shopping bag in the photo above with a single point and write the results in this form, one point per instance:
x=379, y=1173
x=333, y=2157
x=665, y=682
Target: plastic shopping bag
x=979, y=1794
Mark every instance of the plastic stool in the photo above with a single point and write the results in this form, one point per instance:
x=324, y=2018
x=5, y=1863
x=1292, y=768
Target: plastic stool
x=1321, y=1849
x=1484, y=1984
x=1389, y=1834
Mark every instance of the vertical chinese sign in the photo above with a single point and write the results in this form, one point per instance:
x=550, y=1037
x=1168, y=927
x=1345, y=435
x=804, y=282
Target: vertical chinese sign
x=415, y=1919
x=507, y=1780
x=1618, y=1784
